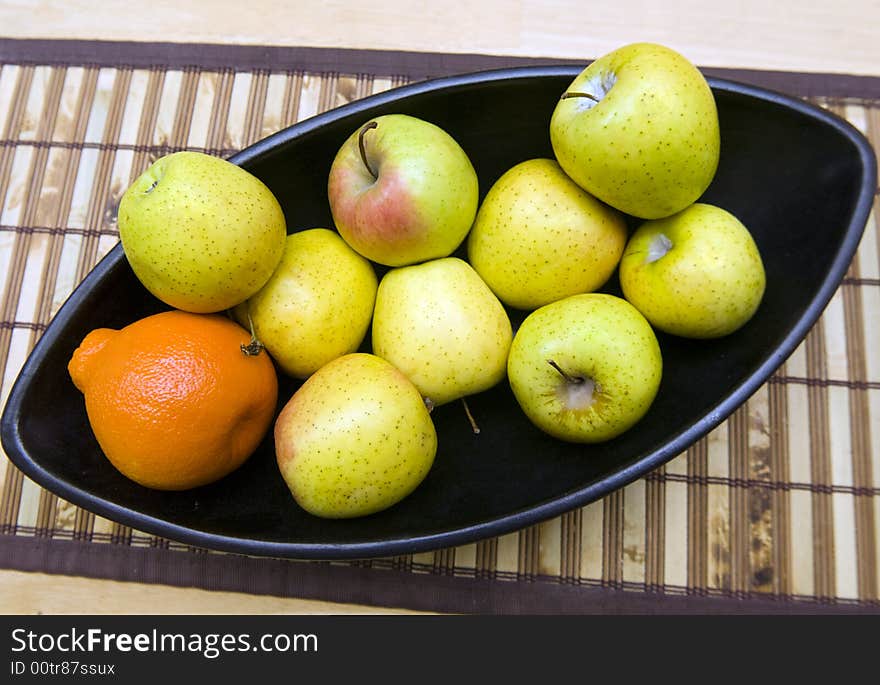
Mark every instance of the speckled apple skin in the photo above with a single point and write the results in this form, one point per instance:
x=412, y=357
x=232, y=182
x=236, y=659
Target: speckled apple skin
x=442, y=326
x=316, y=306
x=423, y=203
x=651, y=146
x=709, y=284
x=539, y=237
x=355, y=438
x=592, y=335
x=201, y=234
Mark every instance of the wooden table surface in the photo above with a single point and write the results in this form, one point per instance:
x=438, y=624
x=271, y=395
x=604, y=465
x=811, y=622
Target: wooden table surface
x=788, y=35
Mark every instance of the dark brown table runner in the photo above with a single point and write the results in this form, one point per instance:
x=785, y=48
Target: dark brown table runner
x=776, y=510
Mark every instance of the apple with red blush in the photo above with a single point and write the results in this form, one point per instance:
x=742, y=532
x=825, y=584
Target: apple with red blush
x=402, y=191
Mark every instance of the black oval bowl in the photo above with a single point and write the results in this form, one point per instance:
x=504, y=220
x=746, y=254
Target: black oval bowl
x=800, y=178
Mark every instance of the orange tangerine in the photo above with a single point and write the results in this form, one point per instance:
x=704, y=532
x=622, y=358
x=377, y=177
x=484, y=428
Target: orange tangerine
x=174, y=399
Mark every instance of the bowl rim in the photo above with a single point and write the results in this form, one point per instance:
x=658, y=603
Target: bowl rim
x=13, y=444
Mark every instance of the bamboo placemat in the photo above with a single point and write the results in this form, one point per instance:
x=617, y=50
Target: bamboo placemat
x=779, y=503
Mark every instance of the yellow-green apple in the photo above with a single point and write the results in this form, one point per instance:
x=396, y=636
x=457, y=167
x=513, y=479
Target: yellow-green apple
x=697, y=274
x=316, y=306
x=354, y=439
x=439, y=323
x=402, y=190
x=638, y=128
x=539, y=237
x=585, y=368
x=202, y=234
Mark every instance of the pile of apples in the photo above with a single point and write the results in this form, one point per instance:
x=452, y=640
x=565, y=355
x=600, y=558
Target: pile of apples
x=635, y=135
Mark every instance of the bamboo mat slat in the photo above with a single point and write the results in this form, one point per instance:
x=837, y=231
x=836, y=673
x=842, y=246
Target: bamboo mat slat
x=782, y=500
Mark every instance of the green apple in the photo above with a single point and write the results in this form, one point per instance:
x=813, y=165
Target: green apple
x=354, y=439
x=638, y=128
x=539, y=237
x=316, y=306
x=697, y=274
x=202, y=234
x=585, y=368
x=402, y=191
x=439, y=323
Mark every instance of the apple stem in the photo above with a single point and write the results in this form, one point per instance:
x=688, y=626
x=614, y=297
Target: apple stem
x=567, y=377
x=579, y=94
x=366, y=127
x=254, y=347
x=470, y=417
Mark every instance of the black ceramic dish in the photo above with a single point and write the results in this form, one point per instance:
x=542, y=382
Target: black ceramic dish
x=801, y=179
